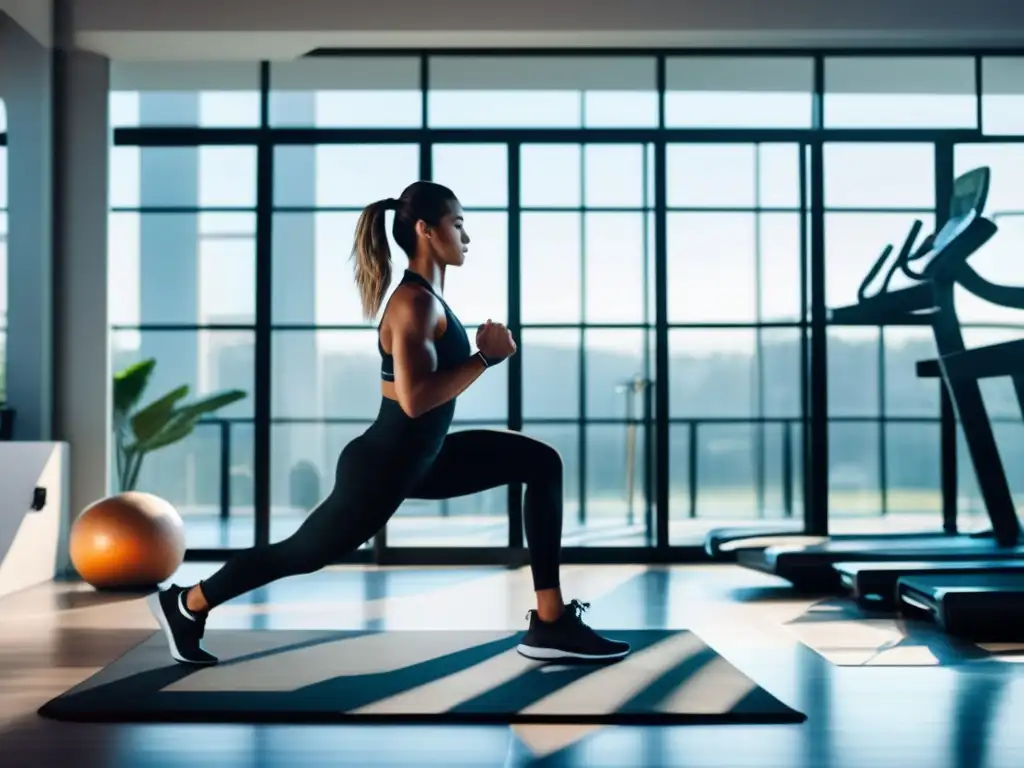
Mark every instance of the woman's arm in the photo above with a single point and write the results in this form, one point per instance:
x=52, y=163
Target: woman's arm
x=420, y=387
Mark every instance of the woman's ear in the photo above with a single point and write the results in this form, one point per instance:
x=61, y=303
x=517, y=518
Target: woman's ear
x=423, y=229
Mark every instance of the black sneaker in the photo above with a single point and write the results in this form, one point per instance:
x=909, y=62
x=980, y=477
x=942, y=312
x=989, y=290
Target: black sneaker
x=568, y=638
x=183, y=628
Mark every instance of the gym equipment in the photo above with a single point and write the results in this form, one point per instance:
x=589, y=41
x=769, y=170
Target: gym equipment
x=876, y=305
x=972, y=589
x=974, y=606
x=131, y=540
x=873, y=584
x=945, y=267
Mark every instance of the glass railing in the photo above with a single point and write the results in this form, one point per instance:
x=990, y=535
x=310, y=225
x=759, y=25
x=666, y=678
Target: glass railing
x=878, y=460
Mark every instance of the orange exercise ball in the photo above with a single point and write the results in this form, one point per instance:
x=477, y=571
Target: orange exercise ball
x=132, y=539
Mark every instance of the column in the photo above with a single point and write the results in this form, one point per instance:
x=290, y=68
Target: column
x=82, y=370
x=25, y=85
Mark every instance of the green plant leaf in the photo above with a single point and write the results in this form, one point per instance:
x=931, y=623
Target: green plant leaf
x=129, y=385
x=212, y=403
x=148, y=422
x=178, y=430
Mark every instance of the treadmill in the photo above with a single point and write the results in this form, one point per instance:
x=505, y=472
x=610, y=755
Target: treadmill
x=977, y=607
x=811, y=567
x=875, y=584
x=724, y=544
x=983, y=603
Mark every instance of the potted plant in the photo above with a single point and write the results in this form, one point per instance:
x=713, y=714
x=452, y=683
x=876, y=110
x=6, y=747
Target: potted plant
x=162, y=422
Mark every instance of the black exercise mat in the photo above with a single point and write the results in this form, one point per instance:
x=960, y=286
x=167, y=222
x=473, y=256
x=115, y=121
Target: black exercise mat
x=286, y=676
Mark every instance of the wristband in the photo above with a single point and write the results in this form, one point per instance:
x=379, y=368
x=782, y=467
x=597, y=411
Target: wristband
x=487, y=361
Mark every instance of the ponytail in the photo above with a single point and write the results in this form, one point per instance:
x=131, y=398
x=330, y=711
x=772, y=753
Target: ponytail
x=372, y=256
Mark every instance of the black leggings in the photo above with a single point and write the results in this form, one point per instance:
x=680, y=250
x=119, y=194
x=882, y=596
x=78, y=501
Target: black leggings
x=371, y=483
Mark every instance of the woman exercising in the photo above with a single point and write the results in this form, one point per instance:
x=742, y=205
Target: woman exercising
x=407, y=452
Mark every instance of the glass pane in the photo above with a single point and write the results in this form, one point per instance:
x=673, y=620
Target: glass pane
x=853, y=375
x=564, y=438
x=303, y=458
x=614, y=363
x=683, y=527
x=709, y=250
x=779, y=251
x=999, y=259
x=712, y=373
x=182, y=268
x=905, y=393
x=1002, y=100
x=188, y=177
x=711, y=176
x=480, y=519
x=550, y=175
x=188, y=473
x=738, y=92
x=854, y=482
x=1010, y=439
x=223, y=94
x=476, y=173
x=551, y=373
x=478, y=290
x=971, y=512
x=1007, y=163
x=616, y=267
x=779, y=372
x=551, y=279
x=614, y=175
x=346, y=92
x=312, y=272
x=542, y=91
x=854, y=241
x=350, y=176
x=780, y=494
x=616, y=492
x=1000, y=398
x=778, y=175
x=726, y=474
x=740, y=473
x=318, y=374
x=877, y=176
x=620, y=109
x=913, y=466
x=900, y=92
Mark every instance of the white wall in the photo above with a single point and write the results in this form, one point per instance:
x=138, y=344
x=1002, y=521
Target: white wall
x=33, y=543
x=190, y=29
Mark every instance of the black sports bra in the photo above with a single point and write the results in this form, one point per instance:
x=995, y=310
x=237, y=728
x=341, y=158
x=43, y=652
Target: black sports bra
x=452, y=348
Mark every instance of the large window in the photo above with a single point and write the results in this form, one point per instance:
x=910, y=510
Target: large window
x=646, y=224
x=883, y=421
x=735, y=309
x=182, y=242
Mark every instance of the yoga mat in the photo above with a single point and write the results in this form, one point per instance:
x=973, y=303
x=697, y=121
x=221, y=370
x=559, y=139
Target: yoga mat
x=290, y=676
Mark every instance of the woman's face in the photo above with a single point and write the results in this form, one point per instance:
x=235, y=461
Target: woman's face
x=448, y=240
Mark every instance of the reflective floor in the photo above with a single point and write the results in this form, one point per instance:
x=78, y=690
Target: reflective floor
x=962, y=713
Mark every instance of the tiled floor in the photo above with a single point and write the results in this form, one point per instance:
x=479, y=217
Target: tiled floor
x=923, y=716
